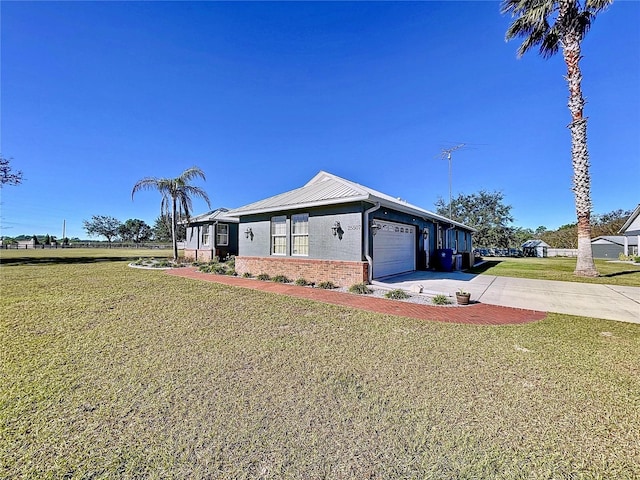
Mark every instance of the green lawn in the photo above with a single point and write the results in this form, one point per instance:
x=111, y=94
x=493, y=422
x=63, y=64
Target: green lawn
x=113, y=372
x=560, y=268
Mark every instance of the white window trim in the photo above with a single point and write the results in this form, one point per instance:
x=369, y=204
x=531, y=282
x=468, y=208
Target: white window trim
x=224, y=235
x=206, y=233
x=299, y=235
x=277, y=220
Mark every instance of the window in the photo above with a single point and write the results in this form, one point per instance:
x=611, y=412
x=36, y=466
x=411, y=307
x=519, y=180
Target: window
x=279, y=235
x=222, y=234
x=300, y=234
x=205, y=235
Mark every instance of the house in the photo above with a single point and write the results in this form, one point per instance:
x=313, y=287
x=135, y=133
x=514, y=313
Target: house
x=212, y=234
x=535, y=248
x=611, y=246
x=631, y=232
x=332, y=229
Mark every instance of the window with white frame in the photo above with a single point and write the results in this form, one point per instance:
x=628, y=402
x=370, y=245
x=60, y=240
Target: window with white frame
x=222, y=234
x=205, y=235
x=300, y=234
x=279, y=235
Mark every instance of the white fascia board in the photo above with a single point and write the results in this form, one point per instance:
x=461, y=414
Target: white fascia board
x=296, y=206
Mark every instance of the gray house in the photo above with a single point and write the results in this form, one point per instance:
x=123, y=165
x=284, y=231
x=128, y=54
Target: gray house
x=631, y=232
x=611, y=246
x=212, y=234
x=332, y=229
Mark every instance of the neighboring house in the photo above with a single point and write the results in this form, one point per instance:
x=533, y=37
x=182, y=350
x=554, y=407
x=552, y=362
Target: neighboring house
x=631, y=232
x=210, y=235
x=535, y=248
x=611, y=246
x=332, y=229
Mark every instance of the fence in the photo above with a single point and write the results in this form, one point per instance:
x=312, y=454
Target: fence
x=30, y=246
x=562, y=252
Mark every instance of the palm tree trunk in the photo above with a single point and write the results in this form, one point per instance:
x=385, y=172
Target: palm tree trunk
x=585, y=266
x=174, y=238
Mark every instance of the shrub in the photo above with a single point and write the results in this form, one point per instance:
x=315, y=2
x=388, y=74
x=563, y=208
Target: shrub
x=397, y=294
x=440, y=300
x=264, y=277
x=281, y=279
x=246, y=275
x=636, y=259
x=327, y=285
x=360, y=288
x=301, y=282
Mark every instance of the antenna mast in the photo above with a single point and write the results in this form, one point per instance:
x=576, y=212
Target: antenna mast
x=446, y=155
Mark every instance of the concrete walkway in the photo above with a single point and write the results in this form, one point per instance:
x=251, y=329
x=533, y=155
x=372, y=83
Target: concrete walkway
x=610, y=302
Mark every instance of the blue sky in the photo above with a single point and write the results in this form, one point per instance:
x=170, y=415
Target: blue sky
x=262, y=96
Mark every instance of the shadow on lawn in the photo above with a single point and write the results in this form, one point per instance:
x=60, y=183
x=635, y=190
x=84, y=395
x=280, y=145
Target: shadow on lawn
x=483, y=267
x=61, y=260
x=617, y=274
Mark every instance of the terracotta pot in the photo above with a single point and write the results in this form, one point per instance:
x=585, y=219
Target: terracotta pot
x=463, y=298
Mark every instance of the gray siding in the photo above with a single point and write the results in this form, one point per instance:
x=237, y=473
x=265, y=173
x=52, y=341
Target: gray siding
x=610, y=251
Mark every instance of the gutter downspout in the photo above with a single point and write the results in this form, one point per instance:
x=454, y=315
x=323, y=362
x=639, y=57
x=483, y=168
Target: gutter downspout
x=366, y=240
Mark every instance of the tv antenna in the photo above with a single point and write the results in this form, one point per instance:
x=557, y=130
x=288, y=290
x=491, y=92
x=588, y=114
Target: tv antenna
x=446, y=155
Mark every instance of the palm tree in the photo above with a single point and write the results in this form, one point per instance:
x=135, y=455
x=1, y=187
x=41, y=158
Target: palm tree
x=176, y=197
x=551, y=25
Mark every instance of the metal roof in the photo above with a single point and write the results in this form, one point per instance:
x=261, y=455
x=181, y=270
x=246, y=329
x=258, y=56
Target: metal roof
x=219, y=214
x=328, y=189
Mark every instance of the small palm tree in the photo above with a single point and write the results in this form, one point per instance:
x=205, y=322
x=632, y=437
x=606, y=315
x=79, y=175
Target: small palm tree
x=551, y=25
x=176, y=197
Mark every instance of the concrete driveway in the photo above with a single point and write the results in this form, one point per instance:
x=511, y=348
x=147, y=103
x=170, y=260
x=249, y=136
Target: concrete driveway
x=610, y=302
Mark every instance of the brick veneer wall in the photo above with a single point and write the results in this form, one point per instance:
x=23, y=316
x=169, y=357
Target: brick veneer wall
x=199, y=255
x=342, y=273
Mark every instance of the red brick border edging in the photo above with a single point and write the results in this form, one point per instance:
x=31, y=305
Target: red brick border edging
x=475, y=314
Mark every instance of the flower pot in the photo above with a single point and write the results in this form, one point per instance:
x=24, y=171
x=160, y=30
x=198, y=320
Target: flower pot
x=463, y=298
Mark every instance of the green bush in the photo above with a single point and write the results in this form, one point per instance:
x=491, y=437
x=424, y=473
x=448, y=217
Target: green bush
x=636, y=259
x=281, y=279
x=360, y=288
x=397, y=294
x=440, y=300
x=246, y=275
x=264, y=277
x=327, y=285
x=301, y=282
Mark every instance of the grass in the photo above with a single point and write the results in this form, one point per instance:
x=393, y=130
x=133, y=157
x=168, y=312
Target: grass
x=114, y=372
x=558, y=268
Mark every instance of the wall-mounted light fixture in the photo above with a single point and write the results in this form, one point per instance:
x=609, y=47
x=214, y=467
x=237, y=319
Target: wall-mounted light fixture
x=249, y=233
x=425, y=233
x=335, y=228
x=375, y=227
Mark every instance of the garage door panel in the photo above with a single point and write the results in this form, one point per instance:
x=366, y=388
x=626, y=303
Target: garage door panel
x=394, y=249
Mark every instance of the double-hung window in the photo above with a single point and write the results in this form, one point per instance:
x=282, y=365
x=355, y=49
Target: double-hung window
x=205, y=235
x=300, y=234
x=279, y=235
x=222, y=234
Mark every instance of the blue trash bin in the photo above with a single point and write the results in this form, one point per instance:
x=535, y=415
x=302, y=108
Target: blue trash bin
x=445, y=259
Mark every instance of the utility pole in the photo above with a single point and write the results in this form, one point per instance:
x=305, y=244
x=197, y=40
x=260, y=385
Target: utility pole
x=446, y=155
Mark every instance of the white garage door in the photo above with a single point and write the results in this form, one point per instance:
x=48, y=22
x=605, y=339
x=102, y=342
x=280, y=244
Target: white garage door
x=394, y=249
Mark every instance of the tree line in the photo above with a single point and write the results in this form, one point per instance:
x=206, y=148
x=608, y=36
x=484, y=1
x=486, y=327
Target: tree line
x=491, y=217
x=132, y=230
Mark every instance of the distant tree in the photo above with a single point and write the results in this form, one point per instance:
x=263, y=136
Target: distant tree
x=551, y=25
x=609, y=223
x=136, y=231
x=539, y=231
x=47, y=240
x=7, y=177
x=35, y=240
x=176, y=197
x=162, y=229
x=484, y=211
x=521, y=235
x=102, y=226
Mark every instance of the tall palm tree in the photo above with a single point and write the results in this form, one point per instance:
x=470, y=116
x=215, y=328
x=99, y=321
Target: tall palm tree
x=176, y=197
x=551, y=25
